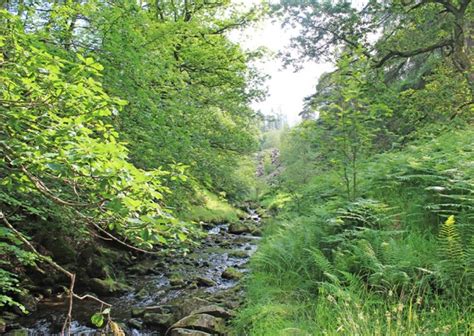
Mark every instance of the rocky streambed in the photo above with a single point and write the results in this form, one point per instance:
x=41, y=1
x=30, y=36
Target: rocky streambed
x=194, y=295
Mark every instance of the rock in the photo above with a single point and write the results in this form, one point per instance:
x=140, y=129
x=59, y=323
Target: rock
x=232, y=274
x=238, y=254
x=9, y=316
x=27, y=300
x=187, y=332
x=158, y=319
x=135, y=323
x=138, y=311
x=107, y=286
x=142, y=293
x=214, y=310
x=147, y=266
x=177, y=281
x=17, y=332
x=60, y=248
x=257, y=232
x=202, y=322
x=193, y=285
x=240, y=227
x=205, y=282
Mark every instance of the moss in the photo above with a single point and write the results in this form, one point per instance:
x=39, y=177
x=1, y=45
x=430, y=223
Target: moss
x=214, y=209
x=108, y=286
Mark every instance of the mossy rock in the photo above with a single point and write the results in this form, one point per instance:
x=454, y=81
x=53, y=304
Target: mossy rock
x=158, y=319
x=205, y=282
x=238, y=254
x=135, y=323
x=241, y=227
x=188, y=332
x=202, y=322
x=176, y=280
x=3, y=325
x=232, y=274
x=138, y=311
x=62, y=251
x=17, y=332
x=107, y=286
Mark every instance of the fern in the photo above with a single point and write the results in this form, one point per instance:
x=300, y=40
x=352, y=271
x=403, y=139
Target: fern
x=324, y=265
x=450, y=243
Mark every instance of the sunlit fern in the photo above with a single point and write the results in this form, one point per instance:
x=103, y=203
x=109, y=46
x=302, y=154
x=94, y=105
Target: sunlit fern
x=450, y=245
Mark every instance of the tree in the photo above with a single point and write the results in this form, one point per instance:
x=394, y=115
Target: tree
x=391, y=34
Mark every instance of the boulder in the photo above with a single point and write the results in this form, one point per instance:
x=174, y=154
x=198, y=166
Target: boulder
x=142, y=294
x=202, y=322
x=214, y=310
x=144, y=267
x=240, y=227
x=3, y=325
x=135, y=323
x=107, y=286
x=187, y=332
x=232, y=274
x=17, y=332
x=185, y=306
x=158, y=319
x=177, y=281
x=205, y=282
x=138, y=311
x=238, y=254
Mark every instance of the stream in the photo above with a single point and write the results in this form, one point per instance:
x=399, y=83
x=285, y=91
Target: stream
x=208, y=277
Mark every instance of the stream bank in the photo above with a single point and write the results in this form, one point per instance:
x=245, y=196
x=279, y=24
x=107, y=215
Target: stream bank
x=191, y=295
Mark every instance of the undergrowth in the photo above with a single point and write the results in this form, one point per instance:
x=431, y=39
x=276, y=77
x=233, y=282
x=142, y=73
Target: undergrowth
x=398, y=260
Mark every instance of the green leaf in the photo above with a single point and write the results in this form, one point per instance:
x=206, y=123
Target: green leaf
x=97, y=319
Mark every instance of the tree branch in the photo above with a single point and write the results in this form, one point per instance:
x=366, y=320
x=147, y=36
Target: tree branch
x=410, y=53
x=56, y=266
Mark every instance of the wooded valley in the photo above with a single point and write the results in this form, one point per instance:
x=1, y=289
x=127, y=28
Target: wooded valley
x=142, y=193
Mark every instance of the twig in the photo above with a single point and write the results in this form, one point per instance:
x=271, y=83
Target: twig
x=70, y=275
x=111, y=236
x=67, y=322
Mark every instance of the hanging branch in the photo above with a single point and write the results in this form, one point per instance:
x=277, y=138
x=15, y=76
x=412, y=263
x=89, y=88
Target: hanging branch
x=43, y=189
x=56, y=266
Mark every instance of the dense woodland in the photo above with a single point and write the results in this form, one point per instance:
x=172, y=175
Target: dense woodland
x=127, y=125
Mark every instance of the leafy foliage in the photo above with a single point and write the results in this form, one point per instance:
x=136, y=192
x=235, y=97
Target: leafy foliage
x=115, y=115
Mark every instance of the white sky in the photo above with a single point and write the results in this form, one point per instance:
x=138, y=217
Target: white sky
x=286, y=88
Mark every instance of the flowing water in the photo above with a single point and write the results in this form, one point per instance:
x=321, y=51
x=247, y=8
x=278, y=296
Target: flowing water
x=219, y=250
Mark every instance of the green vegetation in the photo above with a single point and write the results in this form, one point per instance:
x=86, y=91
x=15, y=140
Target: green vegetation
x=125, y=124
x=121, y=121
x=212, y=209
x=372, y=195
x=387, y=263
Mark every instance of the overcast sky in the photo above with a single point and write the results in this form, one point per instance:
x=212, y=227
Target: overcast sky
x=286, y=88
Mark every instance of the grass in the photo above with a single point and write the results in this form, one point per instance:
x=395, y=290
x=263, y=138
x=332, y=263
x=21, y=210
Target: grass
x=286, y=296
x=212, y=209
x=376, y=265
